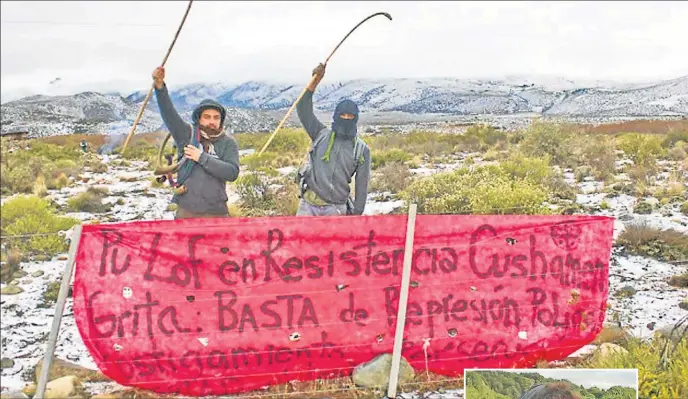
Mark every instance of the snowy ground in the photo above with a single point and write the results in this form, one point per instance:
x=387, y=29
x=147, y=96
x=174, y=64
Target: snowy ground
x=25, y=326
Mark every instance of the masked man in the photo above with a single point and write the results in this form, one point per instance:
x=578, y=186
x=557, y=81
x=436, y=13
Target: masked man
x=209, y=158
x=336, y=155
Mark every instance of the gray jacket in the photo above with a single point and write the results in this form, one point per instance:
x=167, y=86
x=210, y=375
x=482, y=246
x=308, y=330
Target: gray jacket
x=331, y=180
x=206, y=185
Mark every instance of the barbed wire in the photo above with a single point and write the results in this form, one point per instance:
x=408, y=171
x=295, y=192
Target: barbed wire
x=224, y=222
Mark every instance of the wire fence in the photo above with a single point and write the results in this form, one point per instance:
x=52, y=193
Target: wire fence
x=67, y=233
x=424, y=380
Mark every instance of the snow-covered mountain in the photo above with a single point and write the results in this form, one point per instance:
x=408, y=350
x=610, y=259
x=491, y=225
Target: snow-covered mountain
x=258, y=106
x=512, y=95
x=86, y=112
x=97, y=113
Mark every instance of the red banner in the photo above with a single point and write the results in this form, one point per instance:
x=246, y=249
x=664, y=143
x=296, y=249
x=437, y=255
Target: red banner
x=212, y=307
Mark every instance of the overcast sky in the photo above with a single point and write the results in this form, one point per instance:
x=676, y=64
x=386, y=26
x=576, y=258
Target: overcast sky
x=601, y=378
x=114, y=46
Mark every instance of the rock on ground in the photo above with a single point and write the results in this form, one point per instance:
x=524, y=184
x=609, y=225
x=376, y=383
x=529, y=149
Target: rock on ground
x=375, y=374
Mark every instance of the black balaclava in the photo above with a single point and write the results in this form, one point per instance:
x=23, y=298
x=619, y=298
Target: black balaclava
x=345, y=128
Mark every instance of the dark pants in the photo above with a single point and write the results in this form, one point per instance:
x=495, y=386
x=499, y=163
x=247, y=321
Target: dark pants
x=184, y=214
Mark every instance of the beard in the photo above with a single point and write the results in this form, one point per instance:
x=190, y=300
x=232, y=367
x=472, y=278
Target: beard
x=211, y=132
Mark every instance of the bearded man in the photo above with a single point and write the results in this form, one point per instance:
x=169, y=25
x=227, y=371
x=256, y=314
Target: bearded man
x=208, y=157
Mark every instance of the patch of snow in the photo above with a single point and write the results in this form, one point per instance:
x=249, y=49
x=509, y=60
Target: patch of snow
x=382, y=207
x=654, y=300
x=25, y=326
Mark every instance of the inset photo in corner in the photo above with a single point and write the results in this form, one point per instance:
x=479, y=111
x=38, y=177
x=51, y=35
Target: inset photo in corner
x=551, y=384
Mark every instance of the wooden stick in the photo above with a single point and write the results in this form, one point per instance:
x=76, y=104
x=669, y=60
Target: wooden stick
x=403, y=301
x=272, y=136
x=59, y=309
x=150, y=91
x=313, y=78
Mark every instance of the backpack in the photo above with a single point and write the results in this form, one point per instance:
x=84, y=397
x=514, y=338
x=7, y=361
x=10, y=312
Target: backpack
x=307, y=163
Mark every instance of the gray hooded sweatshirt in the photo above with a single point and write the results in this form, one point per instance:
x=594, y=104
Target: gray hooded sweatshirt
x=206, y=183
x=330, y=179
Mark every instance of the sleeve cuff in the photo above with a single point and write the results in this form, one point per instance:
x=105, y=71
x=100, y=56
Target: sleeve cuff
x=203, y=159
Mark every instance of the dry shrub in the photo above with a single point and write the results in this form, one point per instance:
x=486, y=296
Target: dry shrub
x=665, y=245
x=73, y=140
x=680, y=281
x=393, y=177
x=642, y=173
x=286, y=200
x=639, y=126
x=610, y=334
x=677, y=154
x=39, y=187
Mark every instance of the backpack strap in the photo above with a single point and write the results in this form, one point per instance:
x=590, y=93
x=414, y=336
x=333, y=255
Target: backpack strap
x=359, y=147
x=185, y=168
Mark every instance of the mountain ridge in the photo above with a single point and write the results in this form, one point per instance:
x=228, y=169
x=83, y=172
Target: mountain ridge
x=258, y=105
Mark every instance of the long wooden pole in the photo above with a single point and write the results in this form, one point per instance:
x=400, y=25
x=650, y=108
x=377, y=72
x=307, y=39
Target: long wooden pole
x=284, y=119
x=150, y=90
x=403, y=301
x=59, y=309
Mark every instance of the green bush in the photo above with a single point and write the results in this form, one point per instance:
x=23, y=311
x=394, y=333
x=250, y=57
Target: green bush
x=541, y=139
x=141, y=150
x=28, y=215
x=582, y=172
x=643, y=208
x=89, y=201
x=642, y=149
x=255, y=193
x=262, y=196
x=417, y=142
x=21, y=167
x=485, y=135
x=95, y=165
x=381, y=158
x=539, y=172
x=684, y=208
x=599, y=153
x=251, y=141
x=65, y=167
x=289, y=141
x=535, y=170
x=674, y=137
x=486, y=190
x=255, y=161
x=54, y=152
x=662, y=366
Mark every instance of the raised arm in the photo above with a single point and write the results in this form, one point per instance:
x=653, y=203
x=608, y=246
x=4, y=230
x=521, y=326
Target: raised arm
x=362, y=180
x=226, y=168
x=180, y=130
x=308, y=119
x=304, y=108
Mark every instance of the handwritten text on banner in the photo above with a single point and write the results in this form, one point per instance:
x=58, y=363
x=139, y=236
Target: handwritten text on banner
x=210, y=307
